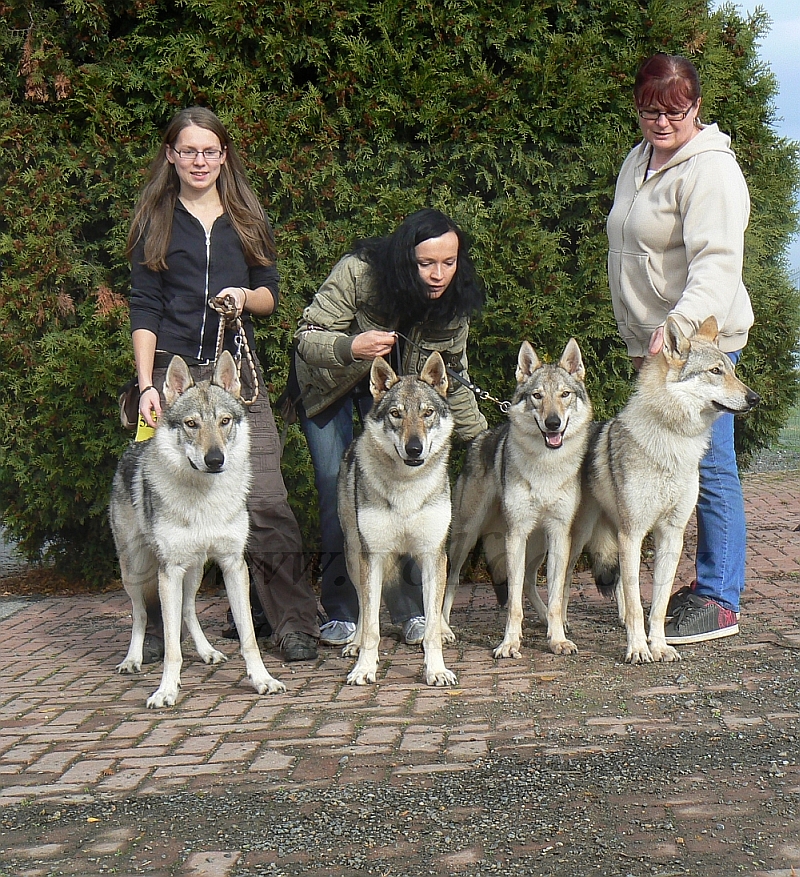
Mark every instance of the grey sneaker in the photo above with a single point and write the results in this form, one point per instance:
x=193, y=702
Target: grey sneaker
x=679, y=598
x=414, y=630
x=698, y=620
x=337, y=633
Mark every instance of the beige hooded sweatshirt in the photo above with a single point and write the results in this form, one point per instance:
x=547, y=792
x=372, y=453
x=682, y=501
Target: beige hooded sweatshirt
x=676, y=243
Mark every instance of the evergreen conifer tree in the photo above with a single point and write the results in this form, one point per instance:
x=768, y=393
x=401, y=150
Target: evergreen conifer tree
x=513, y=116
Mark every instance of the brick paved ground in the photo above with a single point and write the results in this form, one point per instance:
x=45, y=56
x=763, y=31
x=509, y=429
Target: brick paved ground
x=691, y=768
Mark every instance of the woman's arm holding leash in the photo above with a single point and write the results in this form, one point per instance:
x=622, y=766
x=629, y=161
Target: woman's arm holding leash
x=144, y=351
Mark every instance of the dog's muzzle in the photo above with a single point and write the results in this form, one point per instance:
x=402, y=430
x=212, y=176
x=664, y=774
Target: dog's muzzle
x=553, y=433
x=413, y=449
x=214, y=462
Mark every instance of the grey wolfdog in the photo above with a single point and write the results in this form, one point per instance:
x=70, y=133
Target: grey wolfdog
x=520, y=479
x=394, y=500
x=642, y=474
x=178, y=500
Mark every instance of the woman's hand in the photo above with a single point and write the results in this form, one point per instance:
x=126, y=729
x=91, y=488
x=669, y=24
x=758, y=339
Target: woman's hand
x=369, y=345
x=656, y=341
x=656, y=345
x=150, y=406
x=237, y=293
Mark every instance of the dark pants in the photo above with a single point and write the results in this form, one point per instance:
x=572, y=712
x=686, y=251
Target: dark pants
x=278, y=569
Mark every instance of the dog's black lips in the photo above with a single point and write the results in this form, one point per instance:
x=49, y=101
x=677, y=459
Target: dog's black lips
x=413, y=462
x=720, y=407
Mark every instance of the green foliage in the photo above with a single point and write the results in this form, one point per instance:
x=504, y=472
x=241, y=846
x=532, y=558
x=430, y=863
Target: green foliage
x=511, y=116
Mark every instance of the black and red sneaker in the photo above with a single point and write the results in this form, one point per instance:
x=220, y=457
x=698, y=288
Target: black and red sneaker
x=699, y=619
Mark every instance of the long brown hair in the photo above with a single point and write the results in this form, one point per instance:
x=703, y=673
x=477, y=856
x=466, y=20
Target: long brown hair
x=152, y=219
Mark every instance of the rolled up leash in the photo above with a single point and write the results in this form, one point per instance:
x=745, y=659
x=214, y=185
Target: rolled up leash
x=229, y=315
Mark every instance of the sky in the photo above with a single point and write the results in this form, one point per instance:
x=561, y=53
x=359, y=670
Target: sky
x=780, y=48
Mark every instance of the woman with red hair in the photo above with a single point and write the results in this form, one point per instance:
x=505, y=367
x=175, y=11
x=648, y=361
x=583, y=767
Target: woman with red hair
x=676, y=244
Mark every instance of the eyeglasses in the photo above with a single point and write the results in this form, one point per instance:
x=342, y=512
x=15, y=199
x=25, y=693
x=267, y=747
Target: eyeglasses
x=654, y=115
x=191, y=154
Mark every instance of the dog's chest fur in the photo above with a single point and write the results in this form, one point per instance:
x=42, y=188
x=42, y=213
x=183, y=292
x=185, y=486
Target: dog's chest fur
x=181, y=512
x=393, y=503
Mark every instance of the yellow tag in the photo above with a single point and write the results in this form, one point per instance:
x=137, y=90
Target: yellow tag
x=143, y=431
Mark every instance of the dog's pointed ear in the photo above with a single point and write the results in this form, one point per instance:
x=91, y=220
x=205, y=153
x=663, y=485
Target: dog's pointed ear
x=708, y=330
x=381, y=378
x=226, y=375
x=527, y=362
x=572, y=361
x=676, y=344
x=435, y=373
x=178, y=380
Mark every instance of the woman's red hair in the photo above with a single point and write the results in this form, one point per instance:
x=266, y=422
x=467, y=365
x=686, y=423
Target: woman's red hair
x=667, y=81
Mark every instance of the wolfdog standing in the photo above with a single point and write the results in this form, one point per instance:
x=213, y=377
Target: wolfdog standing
x=178, y=500
x=394, y=500
x=523, y=478
x=642, y=473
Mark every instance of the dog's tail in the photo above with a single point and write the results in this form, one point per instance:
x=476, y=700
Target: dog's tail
x=604, y=551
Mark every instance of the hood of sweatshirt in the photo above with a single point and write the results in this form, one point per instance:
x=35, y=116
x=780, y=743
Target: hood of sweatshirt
x=709, y=139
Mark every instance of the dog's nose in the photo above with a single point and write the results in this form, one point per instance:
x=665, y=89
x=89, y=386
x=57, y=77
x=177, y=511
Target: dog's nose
x=414, y=448
x=553, y=423
x=752, y=398
x=214, y=460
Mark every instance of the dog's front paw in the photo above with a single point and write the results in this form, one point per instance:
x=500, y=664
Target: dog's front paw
x=130, y=665
x=563, y=647
x=508, y=649
x=663, y=652
x=212, y=656
x=447, y=633
x=638, y=654
x=441, y=678
x=267, y=684
x=162, y=697
x=361, y=676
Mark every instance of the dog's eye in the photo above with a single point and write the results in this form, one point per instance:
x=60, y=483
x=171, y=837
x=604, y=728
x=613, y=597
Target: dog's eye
x=225, y=421
x=395, y=412
x=538, y=396
x=566, y=394
x=191, y=423
x=428, y=412
x=716, y=370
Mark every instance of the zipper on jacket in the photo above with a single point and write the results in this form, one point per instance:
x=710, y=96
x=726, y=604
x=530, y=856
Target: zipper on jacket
x=205, y=295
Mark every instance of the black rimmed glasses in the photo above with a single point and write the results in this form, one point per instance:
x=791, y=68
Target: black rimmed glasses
x=670, y=116
x=210, y=155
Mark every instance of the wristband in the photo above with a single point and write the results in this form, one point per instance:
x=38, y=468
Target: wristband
x=142, y=392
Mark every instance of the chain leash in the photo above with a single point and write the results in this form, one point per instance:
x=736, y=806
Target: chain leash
x=482, y=395
x=225, y=306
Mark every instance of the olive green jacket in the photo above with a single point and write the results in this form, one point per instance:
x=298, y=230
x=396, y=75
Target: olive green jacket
x=326, y=369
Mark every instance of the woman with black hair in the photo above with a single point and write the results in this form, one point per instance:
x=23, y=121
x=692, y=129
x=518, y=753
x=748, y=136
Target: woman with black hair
x=400, y=297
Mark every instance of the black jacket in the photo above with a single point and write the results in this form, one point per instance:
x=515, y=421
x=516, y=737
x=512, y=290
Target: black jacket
x=173, y=304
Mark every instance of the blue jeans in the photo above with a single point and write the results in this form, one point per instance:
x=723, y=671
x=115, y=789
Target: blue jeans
x=328, y=436
x=721, y=529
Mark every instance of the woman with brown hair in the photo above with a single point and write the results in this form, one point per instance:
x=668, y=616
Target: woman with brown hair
x=199, y=234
